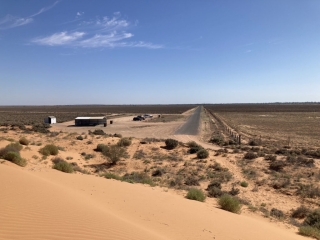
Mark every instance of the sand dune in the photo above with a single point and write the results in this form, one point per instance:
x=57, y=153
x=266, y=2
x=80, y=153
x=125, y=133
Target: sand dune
x=55, y=205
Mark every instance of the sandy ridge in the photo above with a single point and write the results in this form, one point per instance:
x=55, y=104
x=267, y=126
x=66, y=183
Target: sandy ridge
x=55, y=205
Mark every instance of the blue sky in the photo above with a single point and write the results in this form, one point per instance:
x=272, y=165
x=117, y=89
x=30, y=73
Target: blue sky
x=159, y=52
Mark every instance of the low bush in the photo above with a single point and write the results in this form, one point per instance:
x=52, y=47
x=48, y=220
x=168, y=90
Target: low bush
x=300, y=212
x=49, y=149
x=124, y=142
x=136, y=177
x=61, y=165
x=118, y=135
x=308, y=191
x=158, y=172
x=192, y=181
x=313, y=219
x=79, y=137
x=214, y=192
x=229, y=203
x=192, y=144
x=196, y=149
x=114, y=153
x=217, y=166
x=101, y=147
x=196, y=194
x=221, y=176
x=24, y=141
x=276, y=213
x=112, y=176
x=249, y=172
x=281, y=151
x=98, y=132
x=217, y=140
x=277, y=166
x=12, y=147
x=15, y=158
x=234, y=191
x=171, y=143
x=244, y=184
x=281, y=183
x=202, y=154
x=270, y=157
x=253, y=142
x=309, y=232
x=250, y=155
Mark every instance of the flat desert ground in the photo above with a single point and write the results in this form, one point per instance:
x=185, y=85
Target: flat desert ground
x=38, y=202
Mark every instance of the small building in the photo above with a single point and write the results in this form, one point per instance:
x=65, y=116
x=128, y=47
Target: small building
x=90, y=121
x=50, y=120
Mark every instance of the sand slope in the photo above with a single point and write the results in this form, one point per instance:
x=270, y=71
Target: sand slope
x=55, y=205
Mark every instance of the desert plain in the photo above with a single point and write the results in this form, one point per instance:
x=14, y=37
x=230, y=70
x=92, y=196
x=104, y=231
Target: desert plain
x=143, y=194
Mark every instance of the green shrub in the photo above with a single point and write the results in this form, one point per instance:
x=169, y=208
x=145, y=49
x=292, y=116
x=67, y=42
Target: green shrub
x=276, y=213
x=234, y=191
x=24, y=141
x=308, y=190
x=101, y=147
x=15, y=158
x=270, y=157
x=300, y=212
x=196, y=194
x=136, y=177
x=9, y=148
x=192, y=181
x=203, y=153
x=217, y=140
x=98, y=132
x=124, y=142
x=79, y=137
x=14, y=147
x=195, y=149
x=10, y=156
x=313, y=219
x=49, y=149
x=215, y=183
x=221, y=176
x=192, y=144
x=229, y=203
x=250, y=155
x=171, y=143
x=254, y=142
x=277, y=166
x=158, y=172
x=309, y=231
x=215, y=192
x=112, y=176
x=114, y=153
x=244, y=184
x=63, y=166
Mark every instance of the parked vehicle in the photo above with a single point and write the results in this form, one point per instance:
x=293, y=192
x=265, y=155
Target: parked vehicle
x=147, y=116
x=138, y=118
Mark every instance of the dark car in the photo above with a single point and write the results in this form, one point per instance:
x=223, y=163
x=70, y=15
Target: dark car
x=138, y=118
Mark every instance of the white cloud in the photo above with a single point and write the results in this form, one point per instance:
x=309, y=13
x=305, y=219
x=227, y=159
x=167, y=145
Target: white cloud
x=80, y=14
x=44, y=9
x=12, y=22
x=106, y=40
x=104, y=32
x=145, y=45
x=62, y=38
